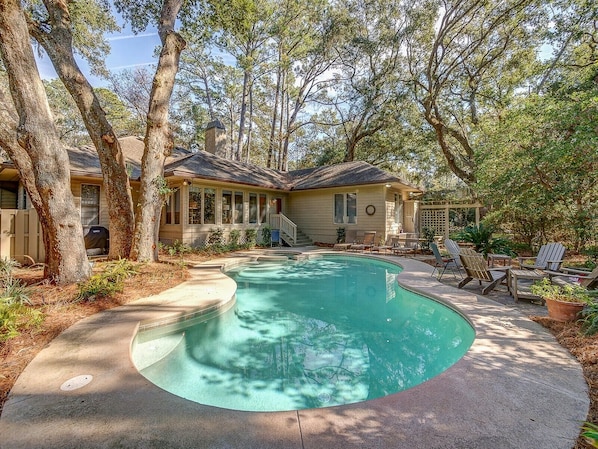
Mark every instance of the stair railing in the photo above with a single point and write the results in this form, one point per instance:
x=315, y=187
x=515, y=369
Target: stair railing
x=287, y=228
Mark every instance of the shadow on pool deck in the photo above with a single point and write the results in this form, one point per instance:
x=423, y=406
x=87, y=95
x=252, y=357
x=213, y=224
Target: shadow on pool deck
x=515, y=388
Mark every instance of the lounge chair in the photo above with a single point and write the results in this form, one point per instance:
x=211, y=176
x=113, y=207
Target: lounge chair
x=549, y=257
x=405, y=243
x=476, y=268
x=442, y=263
x=387, y=246
x=367, y=243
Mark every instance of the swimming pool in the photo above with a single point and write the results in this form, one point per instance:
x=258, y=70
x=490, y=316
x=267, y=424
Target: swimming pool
x=307, y=334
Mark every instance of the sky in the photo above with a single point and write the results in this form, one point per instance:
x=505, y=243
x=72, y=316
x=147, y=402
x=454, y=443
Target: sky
x=127, y=51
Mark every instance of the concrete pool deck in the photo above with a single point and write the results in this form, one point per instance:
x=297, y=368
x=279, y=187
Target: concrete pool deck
x=515, y=388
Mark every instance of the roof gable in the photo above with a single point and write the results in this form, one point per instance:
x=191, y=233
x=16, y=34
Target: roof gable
x=345, y=174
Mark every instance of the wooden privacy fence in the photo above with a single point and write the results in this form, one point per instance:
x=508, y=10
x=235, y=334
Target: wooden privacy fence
x=21, y=235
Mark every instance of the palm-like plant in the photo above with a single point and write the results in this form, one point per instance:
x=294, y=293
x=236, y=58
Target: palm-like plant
x=483, y=242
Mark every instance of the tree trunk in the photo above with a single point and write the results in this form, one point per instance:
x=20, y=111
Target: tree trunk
x=274, y=112
x=158, y=140
x=250, y=127
x=43, y=157
x=238, y=155
x=58, y=45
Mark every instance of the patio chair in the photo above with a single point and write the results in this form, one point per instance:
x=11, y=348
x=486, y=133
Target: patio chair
x=367, y=243
x=442, y=263
x=587, y=279
x=476, y=268
x=453, y=249
x=387, y=246
x=549, y=257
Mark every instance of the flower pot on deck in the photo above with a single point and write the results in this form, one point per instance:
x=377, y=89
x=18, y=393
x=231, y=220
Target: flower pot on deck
x=563, y=310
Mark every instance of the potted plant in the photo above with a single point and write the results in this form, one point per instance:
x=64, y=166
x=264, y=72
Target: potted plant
x=564, y=302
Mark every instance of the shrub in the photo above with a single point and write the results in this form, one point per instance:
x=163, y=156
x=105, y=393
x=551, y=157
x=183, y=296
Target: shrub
x=215, y=237
x=483, y=241
x=428, y=235
x=234, y=237
x=589, y=318
x=266, y=235
x=250, y=237
x=590, y=431
x=178, y=248
x=15, y=313
x=567, y=293
x=341, y=235
x=15, y=317
x=107, y=283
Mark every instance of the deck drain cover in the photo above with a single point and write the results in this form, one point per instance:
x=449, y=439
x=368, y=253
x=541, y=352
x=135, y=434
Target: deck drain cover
x=76, y=382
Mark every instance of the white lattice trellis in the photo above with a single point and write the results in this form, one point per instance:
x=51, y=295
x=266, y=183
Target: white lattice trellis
x=434, y=219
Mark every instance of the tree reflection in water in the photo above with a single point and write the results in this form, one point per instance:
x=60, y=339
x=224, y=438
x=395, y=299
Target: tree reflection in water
x=311, y=334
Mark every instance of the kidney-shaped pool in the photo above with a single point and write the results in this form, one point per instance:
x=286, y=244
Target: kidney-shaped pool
x=305, y=334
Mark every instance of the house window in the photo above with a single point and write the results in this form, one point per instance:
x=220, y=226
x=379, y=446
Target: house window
x=173, y=208
x=209, y=207
x=177, y=207
x=90, y=205
x=202, y=201
x=194, y=205
x=239, y=208
x=253, y=211
x=227, y=203
x=262, y=207
x=345, y=208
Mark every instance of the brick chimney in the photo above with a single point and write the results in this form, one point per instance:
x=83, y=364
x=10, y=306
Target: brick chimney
x=216, y=138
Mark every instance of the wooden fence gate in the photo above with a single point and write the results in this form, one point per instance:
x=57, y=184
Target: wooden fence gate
x=21, y=235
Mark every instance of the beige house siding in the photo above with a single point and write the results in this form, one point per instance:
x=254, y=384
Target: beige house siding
x=313, y=212
x=196, y=234
x=409, y=212
x=76, y=189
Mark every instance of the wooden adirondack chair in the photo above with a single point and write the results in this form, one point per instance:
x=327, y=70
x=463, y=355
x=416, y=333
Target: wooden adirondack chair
x=454, y=250
x=549, y=257
x=586, y=279
x=476, y=268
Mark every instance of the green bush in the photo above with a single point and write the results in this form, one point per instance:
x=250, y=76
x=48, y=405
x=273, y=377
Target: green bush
x=266, y=235
x=250, y=237
x=16, y=317
x=215, y=237
x=178, y=248
x=15, y=313
x=590, y=431
x=483, y=241
x=108, y=282
x=341, y=235
x=234, y=237
x=589, y=318
x=428, y=235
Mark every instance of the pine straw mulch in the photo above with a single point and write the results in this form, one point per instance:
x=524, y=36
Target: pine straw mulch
x=56, y=302
x=60, y=312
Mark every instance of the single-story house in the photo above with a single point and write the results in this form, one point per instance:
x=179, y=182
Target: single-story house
x=213, y=193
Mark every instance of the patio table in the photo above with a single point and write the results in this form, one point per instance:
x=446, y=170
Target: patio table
x=494, y=258
x=519, y=290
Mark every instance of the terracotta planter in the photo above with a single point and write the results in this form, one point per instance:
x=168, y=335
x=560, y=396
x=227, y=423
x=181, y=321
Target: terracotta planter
x=562, y=310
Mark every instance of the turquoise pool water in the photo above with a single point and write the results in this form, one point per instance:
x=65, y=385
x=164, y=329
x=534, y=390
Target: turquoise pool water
x=307, y=334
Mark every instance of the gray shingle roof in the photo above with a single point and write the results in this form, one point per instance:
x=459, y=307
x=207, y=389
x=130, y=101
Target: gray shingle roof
x=208, y=166
x=203, y=165
x=345, y=174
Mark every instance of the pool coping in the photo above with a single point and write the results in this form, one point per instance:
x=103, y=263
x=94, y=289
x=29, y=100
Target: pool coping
x=515, y=388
